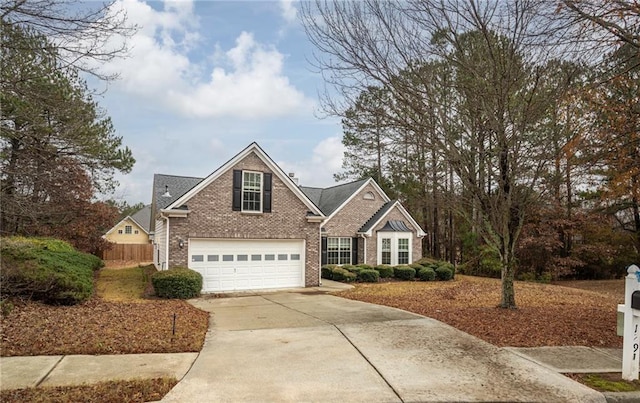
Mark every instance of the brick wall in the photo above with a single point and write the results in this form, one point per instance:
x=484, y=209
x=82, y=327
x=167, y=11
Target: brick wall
x=372, y=243
x=212, y=217
x=354, y=215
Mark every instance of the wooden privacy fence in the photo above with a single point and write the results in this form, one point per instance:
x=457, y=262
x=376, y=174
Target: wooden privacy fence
x=135, y=252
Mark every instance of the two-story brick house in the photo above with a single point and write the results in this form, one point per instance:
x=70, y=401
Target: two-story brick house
x=248, y=225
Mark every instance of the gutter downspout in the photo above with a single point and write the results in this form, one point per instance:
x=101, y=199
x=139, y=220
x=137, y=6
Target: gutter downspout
x=166, y=255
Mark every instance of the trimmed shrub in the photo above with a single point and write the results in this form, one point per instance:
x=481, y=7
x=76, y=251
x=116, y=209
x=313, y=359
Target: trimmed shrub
x=404, y=272
x=179, y=282
x=364, y=266
x=426, y=261
x=444, y=273
x=340, y=274
x=352, y=269
x=385, y=271
x=426, y=274
x=368, y=276
x=48, y=270
x=417, y=267
x=326, y=271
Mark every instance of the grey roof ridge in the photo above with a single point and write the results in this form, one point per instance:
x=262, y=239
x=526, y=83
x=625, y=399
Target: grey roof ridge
x=344, y=184
x=180, y=176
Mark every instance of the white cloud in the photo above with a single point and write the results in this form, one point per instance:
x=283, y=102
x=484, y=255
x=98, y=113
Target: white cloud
x=326, y=160
x=246, y=81
x=288, y=10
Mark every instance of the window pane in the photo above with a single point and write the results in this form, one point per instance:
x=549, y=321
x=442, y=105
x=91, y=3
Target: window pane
x=212, y=258
x=332, y=243
x=256, y=257
x=252, y=191
x=345, y=243
x=403, y=244
x=386, y=244
x=283, y=257
x=332, y=257
x=127, y=229
x=403, y=257
x=295, y=256
x=386, y=257
x=269, y=257
x=227, y=258
x=243, y=258
x=197, y=258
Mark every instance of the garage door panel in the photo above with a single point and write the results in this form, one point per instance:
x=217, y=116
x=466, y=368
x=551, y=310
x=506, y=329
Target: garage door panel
x=228, y=265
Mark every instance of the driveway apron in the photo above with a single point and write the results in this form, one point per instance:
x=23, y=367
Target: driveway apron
x=295, y=347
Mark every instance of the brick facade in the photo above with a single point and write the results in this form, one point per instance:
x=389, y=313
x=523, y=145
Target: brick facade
x=211, y=216
x=356, y=213
x=372, y=243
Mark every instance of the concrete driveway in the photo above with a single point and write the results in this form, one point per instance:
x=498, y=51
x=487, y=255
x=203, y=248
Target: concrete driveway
x=303, y=347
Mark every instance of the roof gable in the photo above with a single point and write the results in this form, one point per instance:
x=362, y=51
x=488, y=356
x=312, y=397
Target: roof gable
x=126, y=220
x=331, y=200
x=182, y=199
x=142, y=217
x=383, y=211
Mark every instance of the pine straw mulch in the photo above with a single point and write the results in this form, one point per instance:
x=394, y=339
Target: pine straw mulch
x=102, y=327
x=547, y=315
x=134, y=391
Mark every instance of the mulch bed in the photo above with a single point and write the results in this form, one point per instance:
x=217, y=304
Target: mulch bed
x=100, y=327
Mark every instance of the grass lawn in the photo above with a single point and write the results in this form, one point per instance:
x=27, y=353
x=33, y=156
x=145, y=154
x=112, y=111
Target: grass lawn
x=547, y=315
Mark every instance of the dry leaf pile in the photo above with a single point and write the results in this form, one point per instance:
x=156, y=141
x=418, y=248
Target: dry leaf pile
x=547, y=315
x=101, y=327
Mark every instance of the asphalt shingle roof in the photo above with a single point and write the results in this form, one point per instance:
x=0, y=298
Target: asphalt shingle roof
x=374, y=218
x=329, y=199
x=175, y=185
x=143, y=217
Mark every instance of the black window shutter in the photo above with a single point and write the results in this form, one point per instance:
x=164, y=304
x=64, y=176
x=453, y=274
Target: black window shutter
x=354, y=250
x=266, y=178
x=237, y=190
x=323, y=250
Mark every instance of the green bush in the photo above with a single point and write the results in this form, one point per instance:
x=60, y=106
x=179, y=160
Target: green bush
x=326, y=271
x=48, y=270
x=417, y=267
x=368, y=276
x=179, y=282
x=385, y=271
x=426, y=274
x=340, y=274
x=426, y=261
x=353, y=269
x=404, y=272
x=444, y=273
x=364, y=266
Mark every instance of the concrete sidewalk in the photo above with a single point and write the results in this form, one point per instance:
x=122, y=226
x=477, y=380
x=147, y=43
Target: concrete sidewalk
x=56, y=370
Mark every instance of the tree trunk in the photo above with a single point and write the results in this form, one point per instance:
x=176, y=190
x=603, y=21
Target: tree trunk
x=508, y=297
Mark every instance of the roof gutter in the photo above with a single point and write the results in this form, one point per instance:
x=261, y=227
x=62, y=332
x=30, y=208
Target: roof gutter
x=166, y=213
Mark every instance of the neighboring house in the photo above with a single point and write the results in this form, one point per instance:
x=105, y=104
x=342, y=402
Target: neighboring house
x=248, y=225
x=133, y=229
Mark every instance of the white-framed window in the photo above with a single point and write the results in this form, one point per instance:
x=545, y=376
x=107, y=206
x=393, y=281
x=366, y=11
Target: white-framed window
x=403, y=250
x=369, y=196
x=394, y=248
x=127, y=229
x=252, y=191
x=386, y=251
x=338, y=250
x=119, y=231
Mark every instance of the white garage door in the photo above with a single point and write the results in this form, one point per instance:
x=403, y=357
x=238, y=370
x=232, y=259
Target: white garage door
x=228, y=265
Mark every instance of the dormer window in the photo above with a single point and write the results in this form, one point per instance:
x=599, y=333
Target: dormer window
x=369, y=196
x=252, y=191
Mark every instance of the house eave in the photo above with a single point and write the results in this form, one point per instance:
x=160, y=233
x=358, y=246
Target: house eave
x=167, y=213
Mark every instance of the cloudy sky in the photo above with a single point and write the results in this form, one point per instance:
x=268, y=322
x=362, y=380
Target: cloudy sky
x=204, y=79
